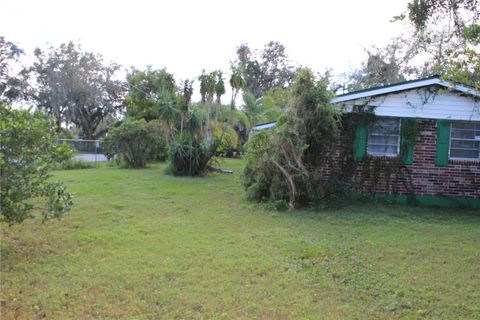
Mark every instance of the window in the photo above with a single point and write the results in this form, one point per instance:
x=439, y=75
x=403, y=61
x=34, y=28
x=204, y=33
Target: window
x=384, y=137
x=465, y=141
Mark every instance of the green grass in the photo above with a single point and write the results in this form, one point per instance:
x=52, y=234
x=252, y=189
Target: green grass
x=142, y=245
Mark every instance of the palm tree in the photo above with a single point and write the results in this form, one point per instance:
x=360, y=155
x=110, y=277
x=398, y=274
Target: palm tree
x=207, y=90
x=203, y=87
x=219, y=91
x=184, y=100
x=237, y=82
x=219, y=86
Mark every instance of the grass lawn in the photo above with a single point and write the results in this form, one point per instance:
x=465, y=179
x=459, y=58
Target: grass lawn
x=142, y=245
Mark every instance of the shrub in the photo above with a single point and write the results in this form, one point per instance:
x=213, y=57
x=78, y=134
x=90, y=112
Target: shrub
x=259, y=169
x=73, y=164
x=29, y=152
x=158, y=132
x=188, y=158
x=135, y=143
x=190, y=153
x=229, y=141
x=283, y=163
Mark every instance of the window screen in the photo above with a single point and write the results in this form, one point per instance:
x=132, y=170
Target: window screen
x=384, y=137
x=465, y=140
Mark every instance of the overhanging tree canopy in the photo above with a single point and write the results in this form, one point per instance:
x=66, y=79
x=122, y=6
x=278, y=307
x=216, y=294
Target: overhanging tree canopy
x=76, y=87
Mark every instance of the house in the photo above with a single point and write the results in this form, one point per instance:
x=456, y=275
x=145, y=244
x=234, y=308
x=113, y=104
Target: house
x=440, y=164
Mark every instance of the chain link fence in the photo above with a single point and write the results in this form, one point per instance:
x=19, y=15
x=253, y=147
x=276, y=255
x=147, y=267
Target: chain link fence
x=86, y=150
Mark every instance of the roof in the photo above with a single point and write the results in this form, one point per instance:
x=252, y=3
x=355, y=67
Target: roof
x=265, y=125
x=402, y=86
x=399, y=87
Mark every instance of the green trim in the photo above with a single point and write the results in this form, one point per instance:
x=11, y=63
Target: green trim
x=360, y=141
x=431, y=201
x=408, y=139
x=443, y=143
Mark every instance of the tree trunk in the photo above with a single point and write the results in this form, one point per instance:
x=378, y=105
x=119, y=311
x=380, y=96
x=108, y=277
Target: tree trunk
x=209, y=111
x=182, y=116
x=232, y=102
x=290, y=183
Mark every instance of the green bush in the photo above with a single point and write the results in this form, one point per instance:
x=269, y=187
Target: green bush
x=158, y=131
x=229, y=143
x=190, y=153
x=188, y=158
x=73, y=164
x=135, y=143
x=283, y=163
x=29, y=152
x=259, y=171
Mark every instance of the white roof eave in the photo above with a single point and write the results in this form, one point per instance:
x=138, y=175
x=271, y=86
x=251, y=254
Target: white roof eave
x=403, y=87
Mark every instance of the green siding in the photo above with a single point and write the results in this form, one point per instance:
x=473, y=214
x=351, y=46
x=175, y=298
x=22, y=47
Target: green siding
x=360, y=142
x=443, y=143
x=408, y=125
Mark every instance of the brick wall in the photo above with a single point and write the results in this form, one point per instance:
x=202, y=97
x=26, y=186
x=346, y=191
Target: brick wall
x=460, y=179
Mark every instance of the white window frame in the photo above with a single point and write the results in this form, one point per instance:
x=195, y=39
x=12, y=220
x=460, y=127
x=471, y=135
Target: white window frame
x=388, y=155
x=459, y=139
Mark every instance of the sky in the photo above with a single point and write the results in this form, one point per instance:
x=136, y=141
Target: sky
x=186, y=36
